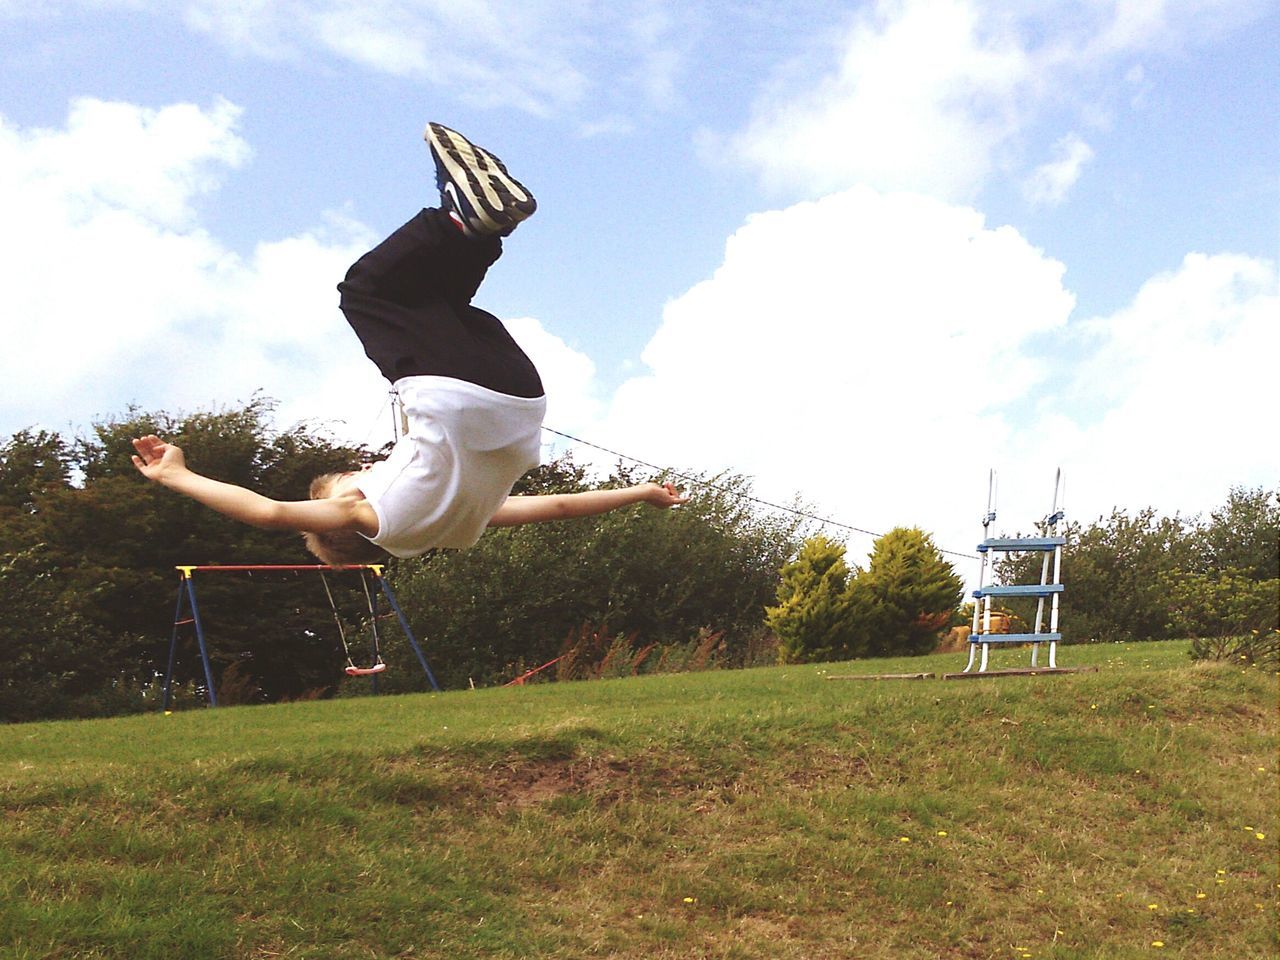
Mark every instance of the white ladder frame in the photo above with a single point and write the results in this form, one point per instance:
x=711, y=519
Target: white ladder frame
x=1051, y=544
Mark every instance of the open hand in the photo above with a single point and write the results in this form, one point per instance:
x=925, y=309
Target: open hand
x=156, y=458
x=664, y=495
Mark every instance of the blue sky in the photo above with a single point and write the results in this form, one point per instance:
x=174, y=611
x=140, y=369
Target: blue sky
x=860, y=251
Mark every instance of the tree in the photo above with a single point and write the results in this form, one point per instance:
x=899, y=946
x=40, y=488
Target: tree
x=812, y=616
x=57, y=662
x=1150, y=577
x=1244, y=534
x=514, y=598
x=1223, y=603
x=906, y=596
x=32, y=464
x=89, y=568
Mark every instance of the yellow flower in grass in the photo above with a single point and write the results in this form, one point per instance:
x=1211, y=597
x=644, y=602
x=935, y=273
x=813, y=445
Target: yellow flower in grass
x=1153, y=906
x=1200, y=894
x=1157, y=943
x=690, y=899
x=904, y=839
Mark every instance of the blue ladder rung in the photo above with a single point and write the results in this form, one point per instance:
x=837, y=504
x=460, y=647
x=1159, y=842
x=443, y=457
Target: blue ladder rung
x=1014, y=544
x=1021, y=590
x=1015, y=638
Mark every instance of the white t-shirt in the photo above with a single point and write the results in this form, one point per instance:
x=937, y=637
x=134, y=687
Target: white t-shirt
x=447, y=476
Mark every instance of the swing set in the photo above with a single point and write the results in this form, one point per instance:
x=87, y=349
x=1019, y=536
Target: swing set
x=188, y=613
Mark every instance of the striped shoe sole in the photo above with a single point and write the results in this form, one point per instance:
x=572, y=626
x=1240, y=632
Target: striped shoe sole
x=498, y=199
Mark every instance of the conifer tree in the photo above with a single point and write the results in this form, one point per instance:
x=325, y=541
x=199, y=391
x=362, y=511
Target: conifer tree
x=907, y=594
x=812, y=618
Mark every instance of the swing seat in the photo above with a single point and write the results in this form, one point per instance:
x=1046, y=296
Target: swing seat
x=354, y=671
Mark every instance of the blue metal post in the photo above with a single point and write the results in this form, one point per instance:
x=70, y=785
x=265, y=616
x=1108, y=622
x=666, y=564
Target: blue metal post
x=204, y=653
x=404, y=625
x=173, y=648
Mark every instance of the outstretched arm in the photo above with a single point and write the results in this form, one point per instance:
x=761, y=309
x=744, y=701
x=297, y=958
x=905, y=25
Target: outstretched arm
x=562, y=506
x=165, y=464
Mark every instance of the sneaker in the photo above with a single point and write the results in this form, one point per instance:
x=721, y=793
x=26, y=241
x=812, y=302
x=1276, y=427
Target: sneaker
x=475, y=186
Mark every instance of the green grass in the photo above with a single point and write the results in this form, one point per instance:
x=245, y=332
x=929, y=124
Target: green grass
x=756, y=814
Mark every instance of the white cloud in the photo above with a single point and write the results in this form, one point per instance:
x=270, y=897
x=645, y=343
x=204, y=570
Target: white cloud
x=496, y=52
x=539, y=56
x=1050, y=182
x=878, y=353
x=151, y=162
x=116, y=294
x=921, y=96
x=1172, y=397
x=568, y=375
x=938, y=96
x=861, y=350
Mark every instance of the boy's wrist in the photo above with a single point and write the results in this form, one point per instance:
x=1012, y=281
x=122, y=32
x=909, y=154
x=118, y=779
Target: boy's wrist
x=173, y=475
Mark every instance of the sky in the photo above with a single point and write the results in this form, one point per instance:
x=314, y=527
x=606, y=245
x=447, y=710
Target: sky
x=862, y=252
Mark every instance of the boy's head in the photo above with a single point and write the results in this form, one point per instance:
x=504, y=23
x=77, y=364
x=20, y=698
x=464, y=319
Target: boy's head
x=337, y=547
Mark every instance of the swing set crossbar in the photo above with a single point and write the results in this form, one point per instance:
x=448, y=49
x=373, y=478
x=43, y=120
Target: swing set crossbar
x=251, y=567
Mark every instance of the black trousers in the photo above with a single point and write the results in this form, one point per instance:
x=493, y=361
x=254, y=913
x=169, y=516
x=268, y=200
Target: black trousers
x=409, y=301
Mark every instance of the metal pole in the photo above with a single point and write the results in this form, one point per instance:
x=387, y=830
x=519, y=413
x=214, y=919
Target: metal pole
x=987, y=519
x=204, y=653
x=173, y=648
x=404, y=624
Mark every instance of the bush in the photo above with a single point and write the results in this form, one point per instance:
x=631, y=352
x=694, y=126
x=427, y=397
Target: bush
x=1223, y=603
x=657, y=576
x=812, y=618
x=1260, y=648
x=1149, y=577
x=899, y=605
x=907, y=596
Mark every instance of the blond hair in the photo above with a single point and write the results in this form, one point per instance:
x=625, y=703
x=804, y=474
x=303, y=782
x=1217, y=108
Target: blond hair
x=338, y=547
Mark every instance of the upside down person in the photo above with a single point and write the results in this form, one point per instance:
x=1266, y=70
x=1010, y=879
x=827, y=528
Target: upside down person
x=473, y=399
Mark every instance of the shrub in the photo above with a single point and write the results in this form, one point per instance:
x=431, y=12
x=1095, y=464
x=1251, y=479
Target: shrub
x=907, y=595
x=812, y=617
x=1259, y=648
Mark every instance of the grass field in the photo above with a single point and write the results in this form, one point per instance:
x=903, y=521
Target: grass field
x=768, y=813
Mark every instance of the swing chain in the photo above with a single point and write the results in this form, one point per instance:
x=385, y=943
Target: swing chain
x=351, y=668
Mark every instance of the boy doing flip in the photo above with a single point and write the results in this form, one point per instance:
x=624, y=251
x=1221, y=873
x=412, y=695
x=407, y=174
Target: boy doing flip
x=473, y=399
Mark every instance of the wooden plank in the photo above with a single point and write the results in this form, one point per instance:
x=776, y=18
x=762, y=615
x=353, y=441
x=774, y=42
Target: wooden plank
x=883, y=676
x=1023, y=672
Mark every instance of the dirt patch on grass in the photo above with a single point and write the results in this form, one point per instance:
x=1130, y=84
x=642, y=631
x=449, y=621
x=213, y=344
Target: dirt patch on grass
x=606, y=780
x=822, y=769
x=528, y=783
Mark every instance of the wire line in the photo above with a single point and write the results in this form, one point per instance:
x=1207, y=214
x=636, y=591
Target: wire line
x=733, y=493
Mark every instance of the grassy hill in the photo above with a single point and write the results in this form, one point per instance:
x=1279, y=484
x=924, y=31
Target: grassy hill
x=767, y=813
